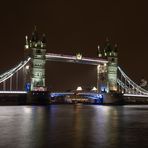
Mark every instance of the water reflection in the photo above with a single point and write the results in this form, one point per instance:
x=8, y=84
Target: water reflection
x=73, y=126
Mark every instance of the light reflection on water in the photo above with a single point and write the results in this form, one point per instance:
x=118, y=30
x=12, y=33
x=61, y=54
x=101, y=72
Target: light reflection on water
x=73, y=126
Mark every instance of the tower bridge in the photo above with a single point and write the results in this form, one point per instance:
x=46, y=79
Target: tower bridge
x=111, y=79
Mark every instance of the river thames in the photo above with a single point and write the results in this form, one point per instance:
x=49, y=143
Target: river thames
x=74, y=126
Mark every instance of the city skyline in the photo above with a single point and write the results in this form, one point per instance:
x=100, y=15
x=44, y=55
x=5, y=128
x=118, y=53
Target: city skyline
x=72, y=27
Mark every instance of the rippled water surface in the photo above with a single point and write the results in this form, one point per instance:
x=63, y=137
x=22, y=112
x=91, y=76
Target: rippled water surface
x=73, y=126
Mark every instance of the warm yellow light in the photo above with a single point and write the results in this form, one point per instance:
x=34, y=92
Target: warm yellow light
x=100, y=55
x=79, y=88
x=94, y=89
x=26, y=46
x=98, y=67
x=79, y=56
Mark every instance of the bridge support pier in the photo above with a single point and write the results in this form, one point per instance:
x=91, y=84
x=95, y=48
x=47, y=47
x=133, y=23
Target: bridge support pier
x=113, y=99
x=38, y=98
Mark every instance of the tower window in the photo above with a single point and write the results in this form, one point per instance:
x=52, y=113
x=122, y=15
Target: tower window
x=113, y=60
x=38, y=51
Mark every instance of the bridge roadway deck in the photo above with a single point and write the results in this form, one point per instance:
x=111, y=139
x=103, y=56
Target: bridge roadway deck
x=135, y=95
x=13, y=97
x=73, y=59
x=13, y=92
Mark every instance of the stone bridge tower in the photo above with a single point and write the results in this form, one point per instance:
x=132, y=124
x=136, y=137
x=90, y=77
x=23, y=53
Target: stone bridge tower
x=36, y=49
x=107, y=73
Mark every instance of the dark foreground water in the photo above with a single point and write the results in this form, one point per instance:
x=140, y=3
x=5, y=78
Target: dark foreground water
x=73, y=126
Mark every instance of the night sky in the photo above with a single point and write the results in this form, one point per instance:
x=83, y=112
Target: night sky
x=76, y=26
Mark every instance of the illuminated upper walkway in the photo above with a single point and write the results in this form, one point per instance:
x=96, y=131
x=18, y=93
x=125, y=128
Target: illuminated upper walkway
x=13, y=92
x=135, y=95
x=74, y=59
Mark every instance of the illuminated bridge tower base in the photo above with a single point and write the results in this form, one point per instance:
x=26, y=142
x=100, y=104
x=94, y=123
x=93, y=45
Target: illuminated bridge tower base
x=38, y=92
x=107, y=74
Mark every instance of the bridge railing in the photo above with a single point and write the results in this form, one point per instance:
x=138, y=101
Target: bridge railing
x=8, y=75
x=128, y=85
x=12, y=71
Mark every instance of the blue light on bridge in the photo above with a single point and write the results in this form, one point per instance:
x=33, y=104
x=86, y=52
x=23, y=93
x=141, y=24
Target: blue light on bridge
x=104, y=89
x=27, y=87
x=100, y=96
x=95, y=97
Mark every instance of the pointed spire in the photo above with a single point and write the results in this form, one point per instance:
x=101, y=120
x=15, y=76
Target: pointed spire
x=107, y=48
x=107, y=43
x=34, y=35
x=35, y=28
x=44, y=38
x=26, y=37
x=98, y=47
x=115, y=50
x=27, y=43
x=99, y=52
x=115, y=47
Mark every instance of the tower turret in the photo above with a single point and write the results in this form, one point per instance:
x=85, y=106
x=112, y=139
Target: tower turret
x=101, y=72
x=112, y=68
x=36, y=49
x=34, y=37
x=107, y=73
x=99, y=53
x=26, y=42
